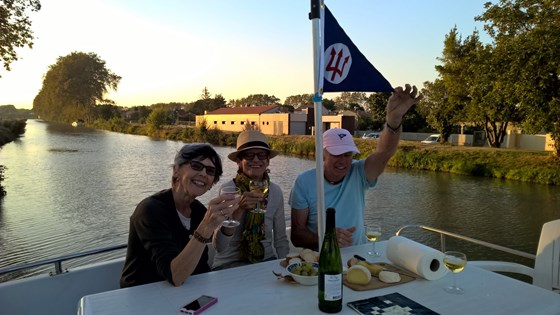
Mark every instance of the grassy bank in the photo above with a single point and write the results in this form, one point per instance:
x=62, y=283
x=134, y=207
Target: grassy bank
x=528, y=166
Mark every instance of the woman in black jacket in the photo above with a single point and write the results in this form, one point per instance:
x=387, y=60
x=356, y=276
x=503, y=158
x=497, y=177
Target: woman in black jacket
x=169, y=230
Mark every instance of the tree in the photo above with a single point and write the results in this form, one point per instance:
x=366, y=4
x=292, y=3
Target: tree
x=255, y=100
x=288, y=108
x=73, y=86
x=156, y=119
x=15, y=28
x=455, y=76
x=413, y=121
x=365, y=122
x=206, y=103
x=108, y=111
x=376, y=106
x=478, y=91
x=529, y=31
x=349, y=100
x=493, y=103
x=205, y=94
x=467, y=92
x=218, y=102
x=329, y=104
x=9, y=112
x=141, y=113
x=299, y=100
x=435, y=107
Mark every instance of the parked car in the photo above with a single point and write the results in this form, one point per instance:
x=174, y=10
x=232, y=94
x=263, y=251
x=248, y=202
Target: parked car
x=432, y=139
x=372, y=135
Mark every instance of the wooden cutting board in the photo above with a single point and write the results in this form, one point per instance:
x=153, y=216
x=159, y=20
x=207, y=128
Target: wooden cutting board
x=375, y=283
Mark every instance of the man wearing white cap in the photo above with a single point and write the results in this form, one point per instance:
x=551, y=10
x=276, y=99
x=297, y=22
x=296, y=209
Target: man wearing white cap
x=346, y=180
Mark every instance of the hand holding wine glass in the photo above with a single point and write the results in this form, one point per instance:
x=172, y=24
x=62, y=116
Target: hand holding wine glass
x=373, y=232
x=455, y=262
x=235, y=191
x=259, y=186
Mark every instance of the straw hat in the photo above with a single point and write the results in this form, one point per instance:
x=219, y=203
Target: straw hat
x=251, y=139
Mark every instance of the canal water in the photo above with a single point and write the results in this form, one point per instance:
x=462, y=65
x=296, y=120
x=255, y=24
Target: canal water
x=73, y=189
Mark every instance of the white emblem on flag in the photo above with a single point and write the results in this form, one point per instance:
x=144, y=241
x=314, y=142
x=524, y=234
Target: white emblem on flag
x=339, y=61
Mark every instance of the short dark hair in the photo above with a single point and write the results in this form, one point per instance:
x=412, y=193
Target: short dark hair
x=192, y=151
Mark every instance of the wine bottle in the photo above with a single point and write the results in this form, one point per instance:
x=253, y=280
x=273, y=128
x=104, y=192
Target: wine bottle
x=330, y=269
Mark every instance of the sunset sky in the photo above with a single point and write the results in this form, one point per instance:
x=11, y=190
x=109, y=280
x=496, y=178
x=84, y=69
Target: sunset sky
x=168, y=51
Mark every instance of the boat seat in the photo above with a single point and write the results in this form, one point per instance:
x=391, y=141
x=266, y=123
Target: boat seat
x=546, y=272
x=59, y=294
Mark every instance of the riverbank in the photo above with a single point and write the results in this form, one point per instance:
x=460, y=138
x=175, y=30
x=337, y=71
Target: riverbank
x=10, y=130
x=527, y=166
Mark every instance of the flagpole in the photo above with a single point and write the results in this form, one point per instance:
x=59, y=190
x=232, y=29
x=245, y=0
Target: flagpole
x=315, y=17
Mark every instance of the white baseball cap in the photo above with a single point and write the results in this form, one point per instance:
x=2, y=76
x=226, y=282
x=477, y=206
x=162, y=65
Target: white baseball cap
x=338, y=141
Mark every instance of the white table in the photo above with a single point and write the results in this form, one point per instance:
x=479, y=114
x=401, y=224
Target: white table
x=255, y=290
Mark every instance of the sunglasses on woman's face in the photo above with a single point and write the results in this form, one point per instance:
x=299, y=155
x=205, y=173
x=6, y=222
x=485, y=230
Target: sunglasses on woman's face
x=250, y=156
x=197, y=166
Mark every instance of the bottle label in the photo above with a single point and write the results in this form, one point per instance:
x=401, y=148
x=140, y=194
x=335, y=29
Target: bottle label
x=333, y=287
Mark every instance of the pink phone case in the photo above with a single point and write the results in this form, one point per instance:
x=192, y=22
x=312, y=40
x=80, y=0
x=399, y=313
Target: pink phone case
x=211, y=302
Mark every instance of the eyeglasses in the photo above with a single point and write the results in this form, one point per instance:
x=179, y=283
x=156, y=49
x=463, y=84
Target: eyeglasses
x=197, y=166
x=250, y=156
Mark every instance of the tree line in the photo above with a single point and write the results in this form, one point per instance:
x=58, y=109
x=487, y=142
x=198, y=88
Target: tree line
x=74, y=88
x=514, y=79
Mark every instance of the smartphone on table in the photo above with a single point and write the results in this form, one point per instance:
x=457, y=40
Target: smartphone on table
x=197, y=306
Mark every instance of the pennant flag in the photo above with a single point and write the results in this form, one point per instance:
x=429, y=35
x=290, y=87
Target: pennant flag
x=344, y=67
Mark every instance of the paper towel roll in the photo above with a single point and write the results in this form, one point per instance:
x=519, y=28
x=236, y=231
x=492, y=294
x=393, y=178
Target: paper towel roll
x=415, y=257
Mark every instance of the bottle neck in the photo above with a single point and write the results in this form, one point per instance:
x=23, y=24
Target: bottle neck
x=330, y=222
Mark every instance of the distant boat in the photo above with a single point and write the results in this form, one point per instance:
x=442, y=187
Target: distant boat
x=77, y=123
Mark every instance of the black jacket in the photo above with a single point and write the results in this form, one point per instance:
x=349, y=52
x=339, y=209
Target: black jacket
x=156, y=237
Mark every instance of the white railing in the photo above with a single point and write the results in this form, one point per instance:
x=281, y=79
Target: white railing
x=58, y=260
x=443, y=234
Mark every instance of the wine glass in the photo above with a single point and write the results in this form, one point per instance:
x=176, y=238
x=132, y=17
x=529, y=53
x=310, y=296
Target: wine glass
x=230, y=190
x=455, y=262
x=373, y=231
x=260, y=186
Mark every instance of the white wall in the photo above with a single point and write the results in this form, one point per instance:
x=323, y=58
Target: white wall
x=511, y=140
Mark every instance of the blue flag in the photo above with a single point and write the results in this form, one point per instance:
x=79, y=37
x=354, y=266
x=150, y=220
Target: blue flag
x=345, y=68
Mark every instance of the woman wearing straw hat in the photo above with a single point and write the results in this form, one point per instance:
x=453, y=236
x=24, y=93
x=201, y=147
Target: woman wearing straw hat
x=252, y=241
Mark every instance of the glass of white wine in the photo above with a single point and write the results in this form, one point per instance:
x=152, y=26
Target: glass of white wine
x=260, y=186
x=455, y=262
x=373, y=232
x=230, y=190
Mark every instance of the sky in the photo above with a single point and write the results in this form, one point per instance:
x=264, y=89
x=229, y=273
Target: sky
x=169, y=51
